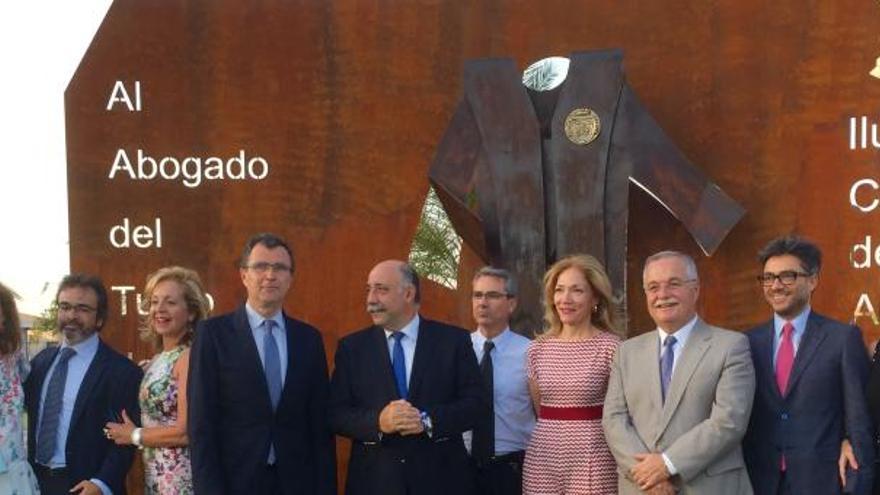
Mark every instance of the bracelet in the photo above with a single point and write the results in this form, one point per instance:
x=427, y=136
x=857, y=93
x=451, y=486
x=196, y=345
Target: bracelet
x=137, y=438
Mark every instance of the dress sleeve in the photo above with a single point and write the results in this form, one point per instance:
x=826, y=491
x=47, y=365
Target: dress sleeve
x=532, y=360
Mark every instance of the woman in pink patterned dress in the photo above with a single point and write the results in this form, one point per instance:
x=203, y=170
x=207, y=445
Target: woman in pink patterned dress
x=176, y=302
x=568, y=368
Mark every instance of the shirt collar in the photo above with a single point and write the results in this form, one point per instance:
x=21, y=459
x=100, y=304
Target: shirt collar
x=256, y=319
x=88, y=347
x=499, y=340
x=799, y=322
x=411, y=329
x=681, y=335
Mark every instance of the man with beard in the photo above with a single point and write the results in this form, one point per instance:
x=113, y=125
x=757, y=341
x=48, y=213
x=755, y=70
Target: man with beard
x=72, y=391
x=811, y=373
x=404, y=390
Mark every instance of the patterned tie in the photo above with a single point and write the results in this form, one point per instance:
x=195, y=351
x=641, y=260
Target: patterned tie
x=398, y=363
x=48, y=435
x=666, y=364
x=272, y=366
x=784, y=358
x=484, y=432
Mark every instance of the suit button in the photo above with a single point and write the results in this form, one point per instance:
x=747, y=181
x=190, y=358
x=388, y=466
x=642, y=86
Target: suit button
x=403, y=461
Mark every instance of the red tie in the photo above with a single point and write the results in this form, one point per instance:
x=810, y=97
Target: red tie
x=784, y=358
x=784, y=362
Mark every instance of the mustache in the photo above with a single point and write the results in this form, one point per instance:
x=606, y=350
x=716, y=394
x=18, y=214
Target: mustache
x=375, y=308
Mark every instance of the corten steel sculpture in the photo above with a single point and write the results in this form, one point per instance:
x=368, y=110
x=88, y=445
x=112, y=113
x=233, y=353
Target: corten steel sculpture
x=523, y=193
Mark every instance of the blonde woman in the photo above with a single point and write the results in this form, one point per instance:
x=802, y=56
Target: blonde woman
x=176, y=302
x=568, y=366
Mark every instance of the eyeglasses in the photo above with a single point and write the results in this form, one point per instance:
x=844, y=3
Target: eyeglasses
x=81, y=309
x=490, y=296
x=788, y=277
x=263, y=267
x=672, y=284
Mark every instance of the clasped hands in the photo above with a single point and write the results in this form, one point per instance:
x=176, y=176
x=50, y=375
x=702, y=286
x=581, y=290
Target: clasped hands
x=401, y=417
x=651, y=475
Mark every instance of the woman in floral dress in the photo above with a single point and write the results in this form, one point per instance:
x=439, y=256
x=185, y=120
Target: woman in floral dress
x=176, y=302
x=568, y=366
x=16, y=476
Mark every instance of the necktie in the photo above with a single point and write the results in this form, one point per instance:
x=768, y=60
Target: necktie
x=272, y=368
x=398, y=363
x=666, y=364
x=484, y=432
x=48, y=436
x=784, y=362
x=784, y=358
x=272, y=364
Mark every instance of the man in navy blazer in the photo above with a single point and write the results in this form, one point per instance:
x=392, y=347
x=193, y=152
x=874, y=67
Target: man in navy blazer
x=258, y=391
x=403, y=391
x=811, y=373
x=72, y=391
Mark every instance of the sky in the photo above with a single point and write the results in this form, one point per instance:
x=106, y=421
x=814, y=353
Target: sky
x=40, y=49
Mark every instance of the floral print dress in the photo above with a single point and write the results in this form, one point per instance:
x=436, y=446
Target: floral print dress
x=167, y=469
x=16, y=476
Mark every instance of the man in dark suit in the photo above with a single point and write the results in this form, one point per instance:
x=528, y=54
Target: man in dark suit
x=72, y=391
x=404, y=390
x=258, y=391
x=811, y=373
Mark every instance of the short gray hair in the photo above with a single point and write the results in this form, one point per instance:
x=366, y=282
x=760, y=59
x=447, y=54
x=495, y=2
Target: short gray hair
x=509, y=282
x=410, y=277
x=689, y=265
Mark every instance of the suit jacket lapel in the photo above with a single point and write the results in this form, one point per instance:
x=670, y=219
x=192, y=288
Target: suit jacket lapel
x=385, y=375
x=295, y=358
x=421, y=358
x=93, y=375
x=694, y=350
x=812, y=338
x=39, y=377
x=763, y=354
x=251, y=356
x=650, y=353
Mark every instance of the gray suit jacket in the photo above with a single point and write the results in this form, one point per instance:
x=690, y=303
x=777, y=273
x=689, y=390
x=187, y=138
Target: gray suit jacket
x=703, y=420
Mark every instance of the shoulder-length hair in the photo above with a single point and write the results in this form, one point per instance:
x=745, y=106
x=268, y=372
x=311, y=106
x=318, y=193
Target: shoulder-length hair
x=193, y=294
x=10, y=331
x=605, y=315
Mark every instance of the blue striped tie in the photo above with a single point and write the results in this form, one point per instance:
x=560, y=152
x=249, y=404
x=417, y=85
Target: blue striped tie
x=48, y=435
x=666, y=363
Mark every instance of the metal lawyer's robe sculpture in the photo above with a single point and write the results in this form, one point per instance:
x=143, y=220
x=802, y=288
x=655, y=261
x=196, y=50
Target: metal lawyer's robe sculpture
x=522, y=193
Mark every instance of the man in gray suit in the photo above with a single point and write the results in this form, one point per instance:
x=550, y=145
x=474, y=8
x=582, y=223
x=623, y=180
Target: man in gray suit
x=677, y=425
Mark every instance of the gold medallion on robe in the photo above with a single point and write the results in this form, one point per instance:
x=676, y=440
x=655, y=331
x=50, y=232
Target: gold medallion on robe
x=582, y=126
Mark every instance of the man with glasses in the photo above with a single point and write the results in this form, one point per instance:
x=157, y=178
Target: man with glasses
x=258, y=390
x=679, y=397
x=72, y=391
x=499, y=440
x=404, y=390
x=811, y=373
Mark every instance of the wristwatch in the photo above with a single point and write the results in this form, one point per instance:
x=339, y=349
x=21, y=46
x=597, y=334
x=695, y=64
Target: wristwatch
x=427, y=424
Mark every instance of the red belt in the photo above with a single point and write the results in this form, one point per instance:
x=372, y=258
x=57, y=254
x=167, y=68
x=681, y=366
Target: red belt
x=571, y=413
